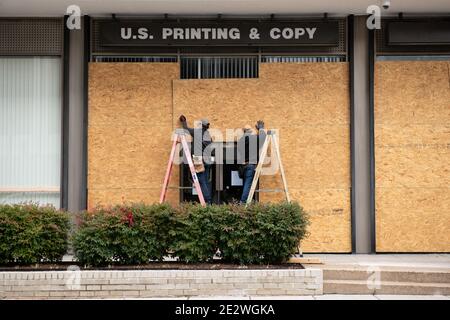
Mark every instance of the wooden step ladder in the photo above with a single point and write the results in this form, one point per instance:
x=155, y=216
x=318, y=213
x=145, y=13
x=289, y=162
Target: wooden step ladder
x=180, y=137
x=270, y=138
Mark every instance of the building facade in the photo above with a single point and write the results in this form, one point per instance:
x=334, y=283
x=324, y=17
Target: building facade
x=362, y=115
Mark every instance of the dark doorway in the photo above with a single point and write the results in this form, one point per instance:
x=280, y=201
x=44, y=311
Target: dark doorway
x=225, y=183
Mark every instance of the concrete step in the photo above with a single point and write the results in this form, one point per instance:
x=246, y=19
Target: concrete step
x=384, y=287
x=419, y=276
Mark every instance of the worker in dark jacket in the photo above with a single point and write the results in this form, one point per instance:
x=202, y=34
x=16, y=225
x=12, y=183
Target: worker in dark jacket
x=201, y=140
x=249, y=146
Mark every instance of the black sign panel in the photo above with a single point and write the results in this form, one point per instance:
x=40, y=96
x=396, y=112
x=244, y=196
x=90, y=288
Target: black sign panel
x=419, y=33
x=168, y=33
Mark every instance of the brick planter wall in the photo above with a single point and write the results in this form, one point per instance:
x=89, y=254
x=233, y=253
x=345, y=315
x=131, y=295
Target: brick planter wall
x=159, y=283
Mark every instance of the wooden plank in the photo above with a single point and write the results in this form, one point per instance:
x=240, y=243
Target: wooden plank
x=187, y=152
x=258, y=168
x=305, y=260
x=130, y=131
x=283, y=176
x=168, y=171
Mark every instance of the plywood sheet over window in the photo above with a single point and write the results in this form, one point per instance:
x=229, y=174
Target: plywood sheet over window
x=130, y=126
x=133, y=109
x=412, y=154
x=309, y=104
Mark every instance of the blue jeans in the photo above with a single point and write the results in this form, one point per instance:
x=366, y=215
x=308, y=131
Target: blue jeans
x=203, y=179
x=249, y=173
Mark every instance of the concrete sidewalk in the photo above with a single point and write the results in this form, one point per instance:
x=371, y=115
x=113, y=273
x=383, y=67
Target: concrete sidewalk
x=439, y=261
x=321, y=297
x=384, y=274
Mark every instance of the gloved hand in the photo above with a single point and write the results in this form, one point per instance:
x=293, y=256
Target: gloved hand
x=259, y=124
x=182, y=118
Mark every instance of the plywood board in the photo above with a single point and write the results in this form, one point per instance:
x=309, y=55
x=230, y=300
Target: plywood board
x=410, y=92
x=134, y=107
x=420, y=136
x=111, y=196
x=309, y=104
x=129, y=135
x=251, y=99
x=304, y=163
x=329, y=211
x=412, y=139
x=417, y=218
x=413, y=167
x=128, y=157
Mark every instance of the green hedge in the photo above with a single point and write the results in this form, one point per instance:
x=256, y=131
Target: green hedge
x=195, y=232
x=123, y=234
x=258, y=233
x=30, y=234
x=137, y=233
x=261, y=233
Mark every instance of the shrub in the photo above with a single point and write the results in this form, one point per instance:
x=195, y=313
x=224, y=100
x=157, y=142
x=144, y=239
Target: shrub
x=258, y=233
x=278, y=230
x=134, y=234
x=126, y=234
x=30, y=234
x=236, y=234
x=195, y=232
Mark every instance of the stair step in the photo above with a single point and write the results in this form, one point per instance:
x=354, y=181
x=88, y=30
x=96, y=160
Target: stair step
x=385, y=287
x=388, y=275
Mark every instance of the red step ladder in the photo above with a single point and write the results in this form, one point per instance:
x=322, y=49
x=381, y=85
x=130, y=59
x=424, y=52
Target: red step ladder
x=180, y=136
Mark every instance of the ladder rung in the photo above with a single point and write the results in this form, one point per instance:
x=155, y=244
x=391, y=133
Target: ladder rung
x=180, y=137
x=179, y=187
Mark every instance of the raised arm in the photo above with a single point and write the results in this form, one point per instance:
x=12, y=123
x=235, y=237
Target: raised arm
x=261, y=135
x=185, y=126
x=261, y=132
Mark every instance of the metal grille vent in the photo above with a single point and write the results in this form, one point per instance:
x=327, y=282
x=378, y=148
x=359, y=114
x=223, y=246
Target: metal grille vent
x=342, y=48
x=293, y=59
x=219, y=67
x=31, y=36
x=134, y=59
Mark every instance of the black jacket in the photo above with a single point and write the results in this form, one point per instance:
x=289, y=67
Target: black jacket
x=200, y=139
x=249, y=147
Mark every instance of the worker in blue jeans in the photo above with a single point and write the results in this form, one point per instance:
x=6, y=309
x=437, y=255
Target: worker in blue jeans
x=201, y=140
x=203, y=179
x=249, y=173
x=249, y=146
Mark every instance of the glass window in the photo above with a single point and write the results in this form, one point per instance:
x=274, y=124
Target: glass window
x=30, y=130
